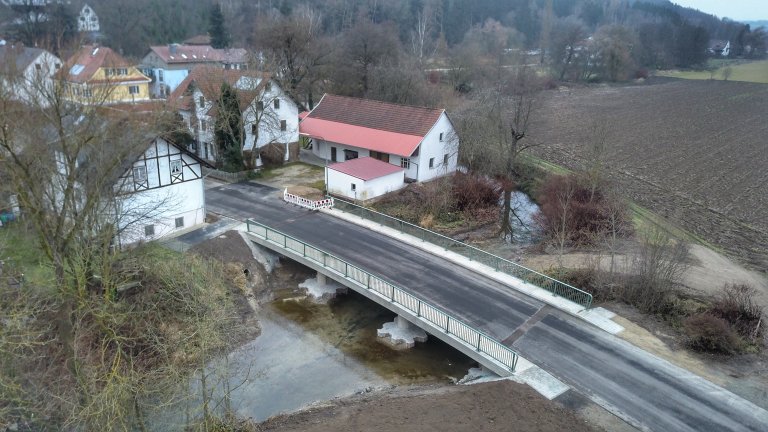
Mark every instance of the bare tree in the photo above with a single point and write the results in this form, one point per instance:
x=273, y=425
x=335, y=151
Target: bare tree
x=492, y=129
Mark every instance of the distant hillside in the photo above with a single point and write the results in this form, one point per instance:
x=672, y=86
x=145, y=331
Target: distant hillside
x=756, y=24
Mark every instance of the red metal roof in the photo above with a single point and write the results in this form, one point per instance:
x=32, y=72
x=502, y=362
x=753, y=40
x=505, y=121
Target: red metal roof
x=358, y=136
x=365, y=168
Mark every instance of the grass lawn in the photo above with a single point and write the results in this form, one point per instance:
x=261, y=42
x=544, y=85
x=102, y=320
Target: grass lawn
x=20, y=248
x=747, y=71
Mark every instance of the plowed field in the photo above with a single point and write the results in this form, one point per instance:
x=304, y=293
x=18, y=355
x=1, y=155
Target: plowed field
x=695, y=152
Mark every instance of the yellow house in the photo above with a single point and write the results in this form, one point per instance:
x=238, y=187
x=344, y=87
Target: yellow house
x=96, y=75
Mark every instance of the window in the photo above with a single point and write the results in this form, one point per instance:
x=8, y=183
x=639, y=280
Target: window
x=405, y=163
x=260, y=105
x=201, y=101
x=58, y=66
x=254, y=129
x=134, y=89
x=122, y=71
x=227, y=66
x=149, y=230
x=441, y=137
x=176, y=166
x=350, y=154
x=108, y=72
x=268, y=86
x=384, y=157
x=277, y=103
x=88, y=93
x=283, y=125
x=445, y=159
x=354, y=187
x=431, y=162
x=180, y=222
x=160, y=75
x=203, y=125
x=38, y=66
x=139, y=174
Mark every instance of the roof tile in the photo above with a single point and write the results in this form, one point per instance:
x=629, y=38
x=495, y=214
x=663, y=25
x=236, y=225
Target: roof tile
x=365, y=168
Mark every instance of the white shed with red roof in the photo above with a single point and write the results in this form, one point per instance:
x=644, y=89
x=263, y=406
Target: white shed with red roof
x=364, y=178
x=420, y=140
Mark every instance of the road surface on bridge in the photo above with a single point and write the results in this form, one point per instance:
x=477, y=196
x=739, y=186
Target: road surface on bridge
x=648, y=392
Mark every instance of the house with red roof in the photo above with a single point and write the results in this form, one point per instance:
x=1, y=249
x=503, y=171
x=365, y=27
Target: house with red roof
x=97, y=75
x=270, y=116
x=420, y=141
x=168, y=65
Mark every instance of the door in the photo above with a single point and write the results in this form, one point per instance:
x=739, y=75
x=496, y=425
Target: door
x=333, y=154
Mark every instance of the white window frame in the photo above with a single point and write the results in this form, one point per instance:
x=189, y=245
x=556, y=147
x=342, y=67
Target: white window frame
x=133, y=89
x=405, y=163
x=176, y=166
x=139, y=174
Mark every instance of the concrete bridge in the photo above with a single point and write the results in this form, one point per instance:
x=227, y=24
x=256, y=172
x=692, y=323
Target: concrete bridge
x=432, y=291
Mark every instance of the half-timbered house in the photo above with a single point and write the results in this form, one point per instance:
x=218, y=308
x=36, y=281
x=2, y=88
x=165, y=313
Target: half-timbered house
x=159, y=193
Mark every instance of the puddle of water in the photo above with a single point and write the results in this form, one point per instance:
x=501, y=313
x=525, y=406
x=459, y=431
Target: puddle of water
x=523, y=228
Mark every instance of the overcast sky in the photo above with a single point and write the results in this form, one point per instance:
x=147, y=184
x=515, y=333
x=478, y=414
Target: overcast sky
x=740, y=10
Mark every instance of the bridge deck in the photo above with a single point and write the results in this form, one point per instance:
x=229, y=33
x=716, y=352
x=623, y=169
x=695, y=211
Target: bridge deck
x=648, y=392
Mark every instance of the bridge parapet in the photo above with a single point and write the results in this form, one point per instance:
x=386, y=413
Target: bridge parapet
x=430, y=317
x=554, y=286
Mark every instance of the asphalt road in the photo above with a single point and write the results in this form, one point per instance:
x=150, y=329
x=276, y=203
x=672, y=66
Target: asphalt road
x=648, y=392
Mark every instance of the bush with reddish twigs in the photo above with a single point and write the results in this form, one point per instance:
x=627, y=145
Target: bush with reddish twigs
x=736, y=305
x=709, y=333
x=570, y=207
x=473, y=192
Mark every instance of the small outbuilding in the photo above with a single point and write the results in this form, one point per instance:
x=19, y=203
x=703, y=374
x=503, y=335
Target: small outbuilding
x=364, y=178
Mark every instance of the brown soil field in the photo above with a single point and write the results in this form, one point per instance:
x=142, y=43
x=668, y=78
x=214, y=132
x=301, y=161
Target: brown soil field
x=694, y=152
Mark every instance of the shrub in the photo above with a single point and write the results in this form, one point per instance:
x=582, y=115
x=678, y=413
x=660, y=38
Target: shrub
x=572, y=210
x=474, y=192
x=736, y=305
x=709, y=333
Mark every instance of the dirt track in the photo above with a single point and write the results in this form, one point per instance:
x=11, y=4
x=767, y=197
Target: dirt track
x=691, y=151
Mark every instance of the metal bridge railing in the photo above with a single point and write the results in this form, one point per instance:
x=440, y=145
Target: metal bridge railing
x=556, y=287
x=421, y=309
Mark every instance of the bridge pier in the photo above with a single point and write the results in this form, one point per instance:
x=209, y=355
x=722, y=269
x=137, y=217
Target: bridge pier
x=320, y=290
x=400, y=334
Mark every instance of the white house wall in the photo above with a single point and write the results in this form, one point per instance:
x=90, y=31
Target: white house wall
x=432, y=147
x=340, y=184
x=34, y=82
x=269, y=127
x=164, y=200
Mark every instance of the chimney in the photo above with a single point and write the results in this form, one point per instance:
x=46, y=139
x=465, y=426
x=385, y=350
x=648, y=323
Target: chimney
x=172, y=48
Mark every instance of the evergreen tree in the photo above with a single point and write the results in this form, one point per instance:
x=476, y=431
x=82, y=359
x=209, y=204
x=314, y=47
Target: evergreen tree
x=228, y=130
x=217, y=28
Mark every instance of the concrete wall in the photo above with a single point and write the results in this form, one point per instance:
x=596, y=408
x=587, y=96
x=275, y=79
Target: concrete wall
x=341, y=184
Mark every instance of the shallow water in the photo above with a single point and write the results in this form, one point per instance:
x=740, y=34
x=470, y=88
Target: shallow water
x=309, y=353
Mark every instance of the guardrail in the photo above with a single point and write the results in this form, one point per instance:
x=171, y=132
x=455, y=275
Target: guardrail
x=420, y=309
x=556, y=287
x=307, y=203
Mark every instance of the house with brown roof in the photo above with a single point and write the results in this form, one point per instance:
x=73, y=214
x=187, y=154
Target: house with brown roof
x=168, y=65
x=97, y=75
x=270, y=116
x=420, y=140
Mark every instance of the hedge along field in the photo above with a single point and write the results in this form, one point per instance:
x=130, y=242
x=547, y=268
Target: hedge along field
x=747, y=71
x=695, y=152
